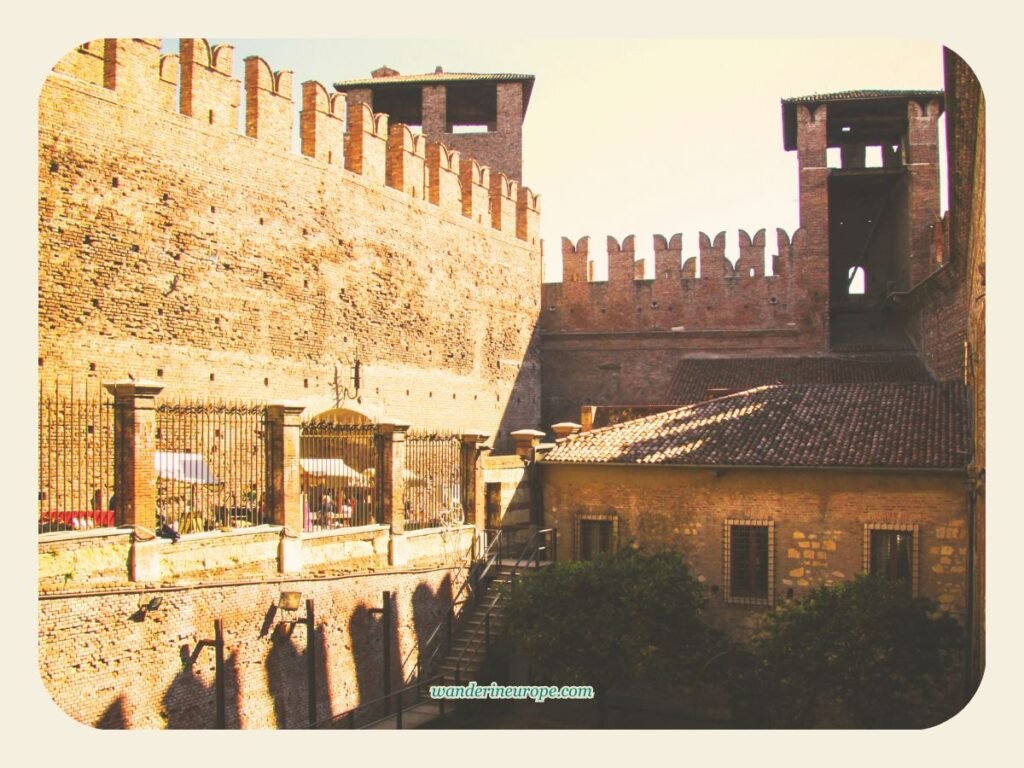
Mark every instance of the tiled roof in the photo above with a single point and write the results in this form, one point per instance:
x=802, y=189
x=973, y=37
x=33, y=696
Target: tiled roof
x=818, y=98
x=884, y=100
x=862, y=425
x=695, y=376
x=430, y=78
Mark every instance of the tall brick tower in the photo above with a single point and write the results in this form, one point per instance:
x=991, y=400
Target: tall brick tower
x=481, y=116
x=871, y=206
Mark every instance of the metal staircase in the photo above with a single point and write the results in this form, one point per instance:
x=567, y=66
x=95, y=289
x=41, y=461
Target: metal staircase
x=455, y=651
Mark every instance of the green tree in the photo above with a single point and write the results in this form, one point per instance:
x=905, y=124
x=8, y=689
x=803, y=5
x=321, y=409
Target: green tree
x=863, y=653
x=625, y=617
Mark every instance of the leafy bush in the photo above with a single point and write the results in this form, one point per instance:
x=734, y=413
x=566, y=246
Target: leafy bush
x=627, y=617
x=863, y=653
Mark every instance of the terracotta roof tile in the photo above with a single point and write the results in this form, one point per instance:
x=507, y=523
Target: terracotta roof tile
x=694, y=377
x=910, y=425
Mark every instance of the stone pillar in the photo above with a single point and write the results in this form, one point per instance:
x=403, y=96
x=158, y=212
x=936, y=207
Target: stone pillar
x=391, y=485
x=284, y=487
x=134, y=449
x=565, y=428
x=472, y=478
x=284, y=483
x=526, y=441
x=435, y=111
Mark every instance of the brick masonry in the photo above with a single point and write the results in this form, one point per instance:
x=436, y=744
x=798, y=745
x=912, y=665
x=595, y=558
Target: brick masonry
x=819, y=520
x=106, y=669
x=173, y=247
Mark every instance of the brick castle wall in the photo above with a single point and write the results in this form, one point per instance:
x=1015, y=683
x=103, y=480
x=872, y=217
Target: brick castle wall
x=106, y=669
x=618, y=341
x=172, y=247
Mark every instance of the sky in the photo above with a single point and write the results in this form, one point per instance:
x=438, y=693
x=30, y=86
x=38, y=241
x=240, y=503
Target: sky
x=639, y=136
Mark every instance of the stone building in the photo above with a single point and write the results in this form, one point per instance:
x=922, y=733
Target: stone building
x=836, y=405
x=775, y=490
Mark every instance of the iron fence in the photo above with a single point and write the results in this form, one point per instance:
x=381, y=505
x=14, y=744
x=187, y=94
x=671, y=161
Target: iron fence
x=76, y=457
x=211, y=465
x=433, y=479
x=339, y=464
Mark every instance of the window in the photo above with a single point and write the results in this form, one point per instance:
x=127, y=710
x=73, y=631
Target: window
x=890, y=551
x=596, y=534
x=749, y=561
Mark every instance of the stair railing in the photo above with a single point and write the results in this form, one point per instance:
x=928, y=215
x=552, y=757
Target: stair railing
x=428, y=652
x=543, y=541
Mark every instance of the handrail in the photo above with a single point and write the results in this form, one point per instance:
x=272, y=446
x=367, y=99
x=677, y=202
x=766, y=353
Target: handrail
x=472, y=581
x=350, y=714
x=531, y=553
x=537, y=543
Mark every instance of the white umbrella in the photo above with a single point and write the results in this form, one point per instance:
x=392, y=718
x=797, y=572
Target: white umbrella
x=333, y=468
x=186, y=467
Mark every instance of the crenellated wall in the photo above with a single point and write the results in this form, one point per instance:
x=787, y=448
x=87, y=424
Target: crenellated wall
x=681, y=299
x=618, y=341
x=175, y=245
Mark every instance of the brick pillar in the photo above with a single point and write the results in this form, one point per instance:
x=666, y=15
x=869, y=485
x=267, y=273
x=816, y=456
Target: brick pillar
x=284, y=487
x=472, y=478
x=284, y=484
x=134, y=449
x=391, y=485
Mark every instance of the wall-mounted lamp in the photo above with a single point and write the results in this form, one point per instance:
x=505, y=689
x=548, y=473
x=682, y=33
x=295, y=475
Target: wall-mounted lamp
x=290, y=601
x=146, y=606
x=341, y=388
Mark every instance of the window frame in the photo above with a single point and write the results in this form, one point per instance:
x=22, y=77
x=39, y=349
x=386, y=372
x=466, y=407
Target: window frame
x=915, y=546
x=600, y=517
x=727, y=557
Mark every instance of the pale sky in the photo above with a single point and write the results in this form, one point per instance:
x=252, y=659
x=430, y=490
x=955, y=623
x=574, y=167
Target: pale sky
x=640, y=136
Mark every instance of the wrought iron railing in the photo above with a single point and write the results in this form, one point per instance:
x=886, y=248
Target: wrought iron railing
x=433, y=479
x=542, y=546
x=76, y=457
x=211, y=465
x=340, y=466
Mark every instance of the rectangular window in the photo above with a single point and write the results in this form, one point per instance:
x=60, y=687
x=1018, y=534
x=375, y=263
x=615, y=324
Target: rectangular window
x=749, y=561
x=596, y=534
x=890, y=551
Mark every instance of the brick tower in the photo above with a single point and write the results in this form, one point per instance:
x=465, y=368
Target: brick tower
x=480, y=116
x=870, y=204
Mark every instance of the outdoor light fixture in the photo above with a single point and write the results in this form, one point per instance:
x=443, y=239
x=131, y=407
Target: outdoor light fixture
x=341, y=390
x=145, y=606
x=289, y=601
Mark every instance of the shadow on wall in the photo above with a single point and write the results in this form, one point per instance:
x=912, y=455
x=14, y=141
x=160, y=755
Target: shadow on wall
x=519, y=412
x=189, y=702
x=288, y=677
x=366, y=629
x=113, y=717
x=429, y=609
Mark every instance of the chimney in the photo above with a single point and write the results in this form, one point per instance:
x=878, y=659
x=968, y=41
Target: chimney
x=565, y=428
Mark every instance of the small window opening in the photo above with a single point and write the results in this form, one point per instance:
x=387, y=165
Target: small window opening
x=855, y=283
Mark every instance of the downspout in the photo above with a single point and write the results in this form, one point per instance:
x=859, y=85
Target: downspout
x=973, y=483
